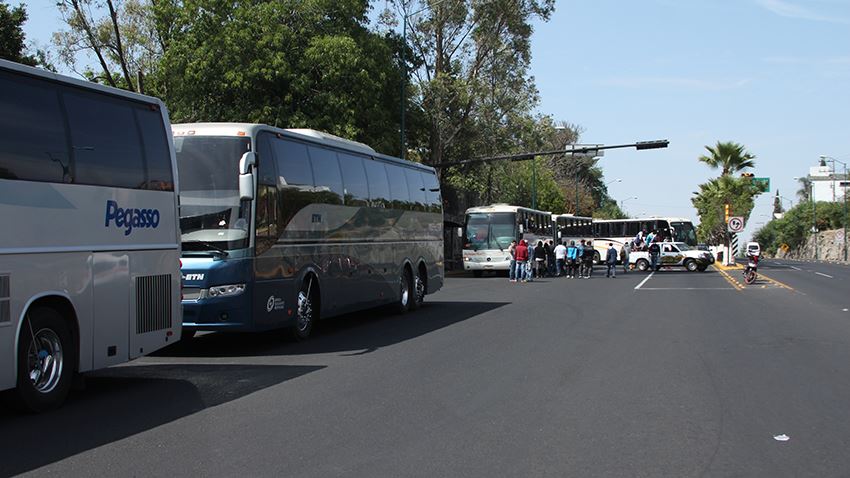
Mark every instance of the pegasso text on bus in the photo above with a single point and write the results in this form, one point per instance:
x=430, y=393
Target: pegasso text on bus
x=131, y=218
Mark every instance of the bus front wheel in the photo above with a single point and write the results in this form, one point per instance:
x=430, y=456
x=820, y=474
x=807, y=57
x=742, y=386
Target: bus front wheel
x=405, y=296
x=46, y=358
x=305, y=315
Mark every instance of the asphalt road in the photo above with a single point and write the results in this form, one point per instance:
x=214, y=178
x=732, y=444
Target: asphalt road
x=673, y=374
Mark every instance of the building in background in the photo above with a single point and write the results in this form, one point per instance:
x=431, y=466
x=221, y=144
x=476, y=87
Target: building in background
x=827, y=184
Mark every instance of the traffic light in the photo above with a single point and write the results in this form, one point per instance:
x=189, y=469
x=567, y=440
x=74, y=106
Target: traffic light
x=726, y=213
x=747, y=175
x=660, y=143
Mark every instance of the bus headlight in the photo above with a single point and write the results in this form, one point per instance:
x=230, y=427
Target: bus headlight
x=226, y=290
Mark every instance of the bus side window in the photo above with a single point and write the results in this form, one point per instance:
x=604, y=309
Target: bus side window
x=267, y=231
x=398, y=187
x=33, y=140
x=105, y=140
x=356, y=191
x=416, y=188
x=295, y=184
x=434, y=202
x=157, y=155
x=379, y=186
x=327, y=174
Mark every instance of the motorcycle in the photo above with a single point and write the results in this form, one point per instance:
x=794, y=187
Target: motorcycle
x=751, y=269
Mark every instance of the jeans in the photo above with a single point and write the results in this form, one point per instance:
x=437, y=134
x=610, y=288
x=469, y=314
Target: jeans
x=612, y=270
x=560, y=267
x=512, y=270
x=653, y=259
x=626, y=264
x=588, y=268
x=520, y=270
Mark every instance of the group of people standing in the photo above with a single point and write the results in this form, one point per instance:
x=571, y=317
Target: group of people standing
x=547, y=259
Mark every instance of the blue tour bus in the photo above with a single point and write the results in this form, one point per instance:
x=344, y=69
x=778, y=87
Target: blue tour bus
x=283, y=227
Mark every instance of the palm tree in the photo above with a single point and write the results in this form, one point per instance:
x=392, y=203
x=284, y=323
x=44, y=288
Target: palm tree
x=731, y=157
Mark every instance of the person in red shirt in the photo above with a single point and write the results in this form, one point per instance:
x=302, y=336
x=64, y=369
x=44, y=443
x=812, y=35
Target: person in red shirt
x=521, y=260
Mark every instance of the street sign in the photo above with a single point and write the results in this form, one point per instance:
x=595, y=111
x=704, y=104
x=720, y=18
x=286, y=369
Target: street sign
x=736, y=224
x=763, y=183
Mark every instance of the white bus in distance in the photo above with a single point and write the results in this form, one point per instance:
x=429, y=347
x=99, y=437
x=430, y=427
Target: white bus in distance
x=489, y=231
x=621, y=231
x=89, y=251
x=570, y=228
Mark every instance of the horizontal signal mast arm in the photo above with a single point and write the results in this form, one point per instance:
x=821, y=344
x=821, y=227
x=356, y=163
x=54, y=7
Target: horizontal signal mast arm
x=640, y=145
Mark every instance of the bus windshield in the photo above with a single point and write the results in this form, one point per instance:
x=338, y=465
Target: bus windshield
x=211, y=215
x=684, y=232
x=490, y=231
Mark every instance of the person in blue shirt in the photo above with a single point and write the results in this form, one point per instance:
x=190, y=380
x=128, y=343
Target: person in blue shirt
x=572, y=254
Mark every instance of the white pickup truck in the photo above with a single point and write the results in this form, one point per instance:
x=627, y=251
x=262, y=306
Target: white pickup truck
x=676, y=254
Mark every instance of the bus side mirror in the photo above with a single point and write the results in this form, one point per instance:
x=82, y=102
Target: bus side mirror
x=460, y=232
x=520, y=229
x=246, y=176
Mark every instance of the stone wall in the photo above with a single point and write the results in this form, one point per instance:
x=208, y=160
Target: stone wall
x=830, y=247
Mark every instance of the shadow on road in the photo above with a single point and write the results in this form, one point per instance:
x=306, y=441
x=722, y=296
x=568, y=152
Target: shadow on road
x=123, y=401
x=358, y=333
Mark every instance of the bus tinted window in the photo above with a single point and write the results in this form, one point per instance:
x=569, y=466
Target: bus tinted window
x=33, y=142
x=432, y=191
x=379, y=187
x=354, y=179
x=398, y=187
x=105, y=140
x=157, y=155
x=416, y=189
x=327, y=175
x=632, y=228
x=293, y=164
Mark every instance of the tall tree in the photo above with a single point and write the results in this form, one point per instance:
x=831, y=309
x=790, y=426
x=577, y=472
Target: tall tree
x=730, y=157
x=12, y=38
x=805, y=189
x=472, y=85
x=289, y=63
x=710, y=202
x=120, y=36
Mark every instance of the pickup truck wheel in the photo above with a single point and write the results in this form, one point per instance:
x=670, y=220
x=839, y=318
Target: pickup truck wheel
x=642, y=265
x=691, y=265
x=597, y=259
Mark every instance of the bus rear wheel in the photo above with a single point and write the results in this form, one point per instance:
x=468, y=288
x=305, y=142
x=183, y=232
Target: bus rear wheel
x=46, y=358
x=418, y=290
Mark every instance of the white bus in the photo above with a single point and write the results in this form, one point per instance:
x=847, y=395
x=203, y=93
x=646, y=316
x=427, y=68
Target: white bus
x=570, y=228
x=489, y=231
x=283, y=227
x=89, y=248
x=620, y=231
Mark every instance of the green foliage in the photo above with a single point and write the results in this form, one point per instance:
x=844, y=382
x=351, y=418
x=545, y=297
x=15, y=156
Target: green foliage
x=290, y=63
x=730, y=157
x=12, y=40
x=714, y=195
x=795, y=226
x=710, y=203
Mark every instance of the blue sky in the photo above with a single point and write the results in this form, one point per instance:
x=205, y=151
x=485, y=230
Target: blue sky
x=771, y=74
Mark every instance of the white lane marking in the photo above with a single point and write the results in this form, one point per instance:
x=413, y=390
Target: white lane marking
x=796, y=268
x=644, y=281
x=844, y=310
x=825, y=275
x=688, y=288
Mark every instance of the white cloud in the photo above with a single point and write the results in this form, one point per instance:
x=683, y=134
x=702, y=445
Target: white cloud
x=675, y=82
x=790, y=10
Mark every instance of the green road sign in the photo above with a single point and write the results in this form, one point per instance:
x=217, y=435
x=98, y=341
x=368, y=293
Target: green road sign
x=763, y=183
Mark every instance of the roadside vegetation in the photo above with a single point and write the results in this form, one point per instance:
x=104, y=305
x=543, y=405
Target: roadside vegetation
x=738, y=192
x=339, y=66
x=795, y=226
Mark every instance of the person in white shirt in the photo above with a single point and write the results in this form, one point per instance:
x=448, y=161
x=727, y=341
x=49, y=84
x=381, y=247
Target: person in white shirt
x=560, y=258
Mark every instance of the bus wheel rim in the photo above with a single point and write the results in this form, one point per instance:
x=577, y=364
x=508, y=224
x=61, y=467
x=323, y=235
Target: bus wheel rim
x=420, y=289
x=45, y=361
x=405, y=292
x=305, y=311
